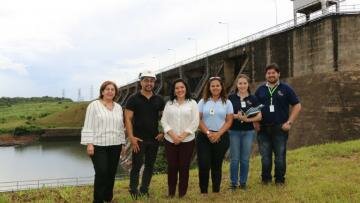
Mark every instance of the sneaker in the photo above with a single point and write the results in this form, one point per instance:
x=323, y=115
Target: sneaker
x=232, y=187
x=134, y=194
x=242, y=186
x=279, y=183
x=170, y=196
x=265, y=182
x=144, y=194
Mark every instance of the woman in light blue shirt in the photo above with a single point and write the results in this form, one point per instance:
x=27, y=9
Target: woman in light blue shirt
x=216, y=116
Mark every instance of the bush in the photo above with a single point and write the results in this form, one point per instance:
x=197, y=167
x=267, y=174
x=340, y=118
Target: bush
x=42, y=115
x=161, y=163
x=2, y=131
x=26, y=130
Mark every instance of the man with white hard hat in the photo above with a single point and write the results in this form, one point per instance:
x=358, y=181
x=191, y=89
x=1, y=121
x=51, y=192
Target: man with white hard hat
x=142, y=113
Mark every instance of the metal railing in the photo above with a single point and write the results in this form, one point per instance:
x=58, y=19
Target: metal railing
x=346, y=9
x=48, y=183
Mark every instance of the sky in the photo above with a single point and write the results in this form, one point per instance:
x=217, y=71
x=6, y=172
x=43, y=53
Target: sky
x=56, y=48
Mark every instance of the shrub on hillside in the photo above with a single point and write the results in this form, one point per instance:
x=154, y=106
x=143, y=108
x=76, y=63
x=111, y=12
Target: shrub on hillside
x=161, y=163
x=27, y=130
x=2, y=131
x=42, y=115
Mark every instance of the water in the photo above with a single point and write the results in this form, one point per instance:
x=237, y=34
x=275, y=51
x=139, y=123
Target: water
x=46, y=160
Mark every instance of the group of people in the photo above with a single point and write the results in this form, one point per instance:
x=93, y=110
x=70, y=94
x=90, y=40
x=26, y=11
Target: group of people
x=214, y=124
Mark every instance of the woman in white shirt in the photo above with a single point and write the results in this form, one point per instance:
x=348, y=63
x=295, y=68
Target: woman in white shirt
x=180, y=120
x=103, y=134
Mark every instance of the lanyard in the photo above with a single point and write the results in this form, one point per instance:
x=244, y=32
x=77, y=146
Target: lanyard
x=271, y=92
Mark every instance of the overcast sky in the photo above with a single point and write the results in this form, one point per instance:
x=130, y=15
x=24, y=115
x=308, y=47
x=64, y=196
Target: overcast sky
x=47, y=46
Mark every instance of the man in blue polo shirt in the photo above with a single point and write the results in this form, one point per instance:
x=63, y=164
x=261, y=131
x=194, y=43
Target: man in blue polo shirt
x=276, y=97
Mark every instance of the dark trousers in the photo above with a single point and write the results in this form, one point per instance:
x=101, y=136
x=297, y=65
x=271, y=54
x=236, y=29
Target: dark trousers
x=210, y=157
x=272, y=139
x=105, y=161
x=148, y=150
x=178, y=158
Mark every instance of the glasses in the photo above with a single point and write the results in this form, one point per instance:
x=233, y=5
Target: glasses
x=148, y=80
x=215, y=78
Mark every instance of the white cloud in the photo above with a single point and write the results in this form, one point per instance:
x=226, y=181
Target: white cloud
x=67, y=44
x=15, y=86
x=8, y=64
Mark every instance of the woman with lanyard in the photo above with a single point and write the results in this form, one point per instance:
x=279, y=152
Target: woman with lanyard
x=103, y=134
x=242, y=131
x=212, y=142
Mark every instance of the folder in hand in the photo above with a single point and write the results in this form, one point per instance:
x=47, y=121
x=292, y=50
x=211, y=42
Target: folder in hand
x=252, y=111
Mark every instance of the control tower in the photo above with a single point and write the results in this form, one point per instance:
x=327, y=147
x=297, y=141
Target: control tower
x=310, y=6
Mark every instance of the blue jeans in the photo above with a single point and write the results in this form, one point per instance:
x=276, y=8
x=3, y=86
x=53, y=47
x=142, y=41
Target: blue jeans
x=240, y=150
x=272, y=139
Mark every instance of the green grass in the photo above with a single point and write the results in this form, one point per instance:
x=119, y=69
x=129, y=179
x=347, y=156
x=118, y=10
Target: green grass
x=323, y=173
x=70, y=117
x=41, y=114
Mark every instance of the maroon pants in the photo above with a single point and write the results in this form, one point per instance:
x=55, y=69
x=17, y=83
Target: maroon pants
x=178, y=158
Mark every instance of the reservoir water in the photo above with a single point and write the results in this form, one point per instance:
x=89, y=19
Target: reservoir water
x=46, y=160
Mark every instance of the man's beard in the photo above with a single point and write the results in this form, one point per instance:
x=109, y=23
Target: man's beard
x=275, y=81
x=148, y=89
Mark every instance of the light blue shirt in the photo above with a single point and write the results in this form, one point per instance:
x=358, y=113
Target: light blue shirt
x=214, y=113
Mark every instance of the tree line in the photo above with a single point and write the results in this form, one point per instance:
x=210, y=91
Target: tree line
x=8, y=101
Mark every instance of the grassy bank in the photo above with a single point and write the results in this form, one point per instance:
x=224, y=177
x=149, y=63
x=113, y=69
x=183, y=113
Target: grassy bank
x=49, y=114
x=324, y=173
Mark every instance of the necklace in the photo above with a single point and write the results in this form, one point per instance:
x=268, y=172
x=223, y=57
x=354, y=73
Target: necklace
x=109, y=106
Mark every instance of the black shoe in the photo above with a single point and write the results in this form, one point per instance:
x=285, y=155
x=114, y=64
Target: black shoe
x=232, y=187
x=279, y=182
x=265, y=182
x=134, y=194
x=144, y=194
x=242, y=186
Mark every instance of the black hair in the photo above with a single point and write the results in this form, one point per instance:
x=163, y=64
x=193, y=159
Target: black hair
x=273, y=66
x=172, y=90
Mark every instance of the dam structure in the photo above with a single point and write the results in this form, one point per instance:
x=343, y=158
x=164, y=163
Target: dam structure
x=318, y=55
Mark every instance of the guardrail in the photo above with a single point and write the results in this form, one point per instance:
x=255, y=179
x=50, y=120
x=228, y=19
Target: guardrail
x=345, y=9
x=48, y=183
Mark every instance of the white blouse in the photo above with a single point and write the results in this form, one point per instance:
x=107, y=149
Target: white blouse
x=180, y=118
x=103, y=127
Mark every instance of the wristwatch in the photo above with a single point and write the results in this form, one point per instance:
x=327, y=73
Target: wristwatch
x=289, y=122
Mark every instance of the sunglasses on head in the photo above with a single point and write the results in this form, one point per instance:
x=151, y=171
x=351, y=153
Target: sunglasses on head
x=215, y=78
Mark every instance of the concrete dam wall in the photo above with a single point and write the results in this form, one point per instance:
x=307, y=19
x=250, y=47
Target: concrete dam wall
x=319, y=58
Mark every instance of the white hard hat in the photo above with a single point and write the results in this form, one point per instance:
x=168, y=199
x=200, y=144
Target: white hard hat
x=147, y=73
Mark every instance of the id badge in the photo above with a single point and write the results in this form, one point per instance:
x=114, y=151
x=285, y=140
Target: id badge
x=272, y=108
x=212, y=112
x=243, y=104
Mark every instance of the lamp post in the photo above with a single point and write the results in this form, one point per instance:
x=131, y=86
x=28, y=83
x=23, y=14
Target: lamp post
x=276, y=12
x=227, y=29
x=174, y=54
x=158, y=62
x=196, y=45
